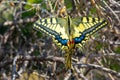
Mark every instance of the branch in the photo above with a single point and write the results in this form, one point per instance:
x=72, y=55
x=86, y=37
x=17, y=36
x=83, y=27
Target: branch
x=21, y=21
x=35, y=58
x=93, y=66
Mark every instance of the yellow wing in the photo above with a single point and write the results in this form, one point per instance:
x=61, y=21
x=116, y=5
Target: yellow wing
x=85, y=26
x=54, y=27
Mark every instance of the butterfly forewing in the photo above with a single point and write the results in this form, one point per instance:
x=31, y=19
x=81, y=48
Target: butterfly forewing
x=88, y=25
x=52, y=26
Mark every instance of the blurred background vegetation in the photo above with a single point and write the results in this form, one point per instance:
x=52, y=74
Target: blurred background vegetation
x=26, y=54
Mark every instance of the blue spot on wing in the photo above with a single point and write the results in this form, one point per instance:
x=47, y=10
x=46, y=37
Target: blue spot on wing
x=79, y=39
x=60, y=40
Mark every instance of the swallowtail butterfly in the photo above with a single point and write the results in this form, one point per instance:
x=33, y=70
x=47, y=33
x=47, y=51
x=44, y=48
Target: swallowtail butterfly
x=69, y=32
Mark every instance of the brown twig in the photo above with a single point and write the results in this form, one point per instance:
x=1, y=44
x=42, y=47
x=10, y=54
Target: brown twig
x=21, y=21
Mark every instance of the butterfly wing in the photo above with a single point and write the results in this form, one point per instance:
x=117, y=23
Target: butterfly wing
x=85, y=26
x=54, y=27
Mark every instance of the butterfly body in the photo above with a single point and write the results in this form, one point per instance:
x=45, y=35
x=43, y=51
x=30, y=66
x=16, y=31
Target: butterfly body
x=69, y=32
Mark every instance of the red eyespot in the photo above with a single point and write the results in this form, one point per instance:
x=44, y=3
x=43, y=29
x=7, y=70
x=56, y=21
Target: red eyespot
x=72, y=41
x=69, y=42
